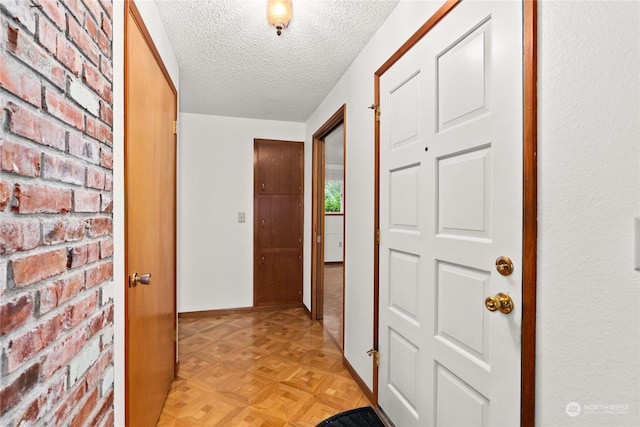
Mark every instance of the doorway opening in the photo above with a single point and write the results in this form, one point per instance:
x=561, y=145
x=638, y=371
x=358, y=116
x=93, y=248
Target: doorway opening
x=328, y=222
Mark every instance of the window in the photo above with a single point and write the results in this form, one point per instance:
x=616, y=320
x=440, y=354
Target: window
x=333, y=197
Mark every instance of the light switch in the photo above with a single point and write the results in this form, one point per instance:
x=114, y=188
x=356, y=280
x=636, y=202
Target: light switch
x=637, y=245
x=240, y=216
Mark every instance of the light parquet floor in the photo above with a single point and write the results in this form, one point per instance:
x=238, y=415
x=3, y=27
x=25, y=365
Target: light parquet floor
x=333, y=291
x=263, y=369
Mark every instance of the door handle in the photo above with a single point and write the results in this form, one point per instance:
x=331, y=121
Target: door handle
x=134, y=280
x=500, y=302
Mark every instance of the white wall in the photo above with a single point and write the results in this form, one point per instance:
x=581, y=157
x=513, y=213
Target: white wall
x=215, y=183
x=355, y=88
x=589, y=193
x=151, y=18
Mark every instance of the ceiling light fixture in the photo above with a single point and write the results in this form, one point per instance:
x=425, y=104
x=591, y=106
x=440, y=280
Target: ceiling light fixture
x=279, y=13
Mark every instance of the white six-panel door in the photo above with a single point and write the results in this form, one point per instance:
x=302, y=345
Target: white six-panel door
x=450, y=205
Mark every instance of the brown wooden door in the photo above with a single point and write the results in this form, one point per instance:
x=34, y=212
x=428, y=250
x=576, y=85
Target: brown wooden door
x=150, y=159
x=278, y=216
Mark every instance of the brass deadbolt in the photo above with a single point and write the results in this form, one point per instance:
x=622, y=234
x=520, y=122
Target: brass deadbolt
x=504, y=265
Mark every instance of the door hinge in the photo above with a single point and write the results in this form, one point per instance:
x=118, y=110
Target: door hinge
x=376, y=108
x=376, y=356
x=175, y=127
x=174, y=335
x=378, y=236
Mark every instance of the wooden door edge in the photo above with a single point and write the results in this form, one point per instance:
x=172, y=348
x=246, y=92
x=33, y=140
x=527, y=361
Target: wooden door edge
x=125, y=279
x=376, y=243
x=530, y=203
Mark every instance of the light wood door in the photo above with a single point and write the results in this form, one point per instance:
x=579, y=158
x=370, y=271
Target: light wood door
x=150, y=227
x=278, y=216
x=450, y=204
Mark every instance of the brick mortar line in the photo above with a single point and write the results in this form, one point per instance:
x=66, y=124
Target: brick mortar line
x=41, y=389
x=6, y=339
x=45, y=114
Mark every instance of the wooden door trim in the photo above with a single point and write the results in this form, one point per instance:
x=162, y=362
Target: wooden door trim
x=530, y=214
x=131, y=9
x=530, y=198
x=337, y=118
x=135, y=12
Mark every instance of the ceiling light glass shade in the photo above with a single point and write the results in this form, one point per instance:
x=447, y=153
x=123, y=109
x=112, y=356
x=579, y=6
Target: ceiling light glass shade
x=279, y=13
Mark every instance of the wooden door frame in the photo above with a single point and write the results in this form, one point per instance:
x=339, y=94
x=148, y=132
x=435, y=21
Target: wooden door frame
x=131, y=8
x=317, y=212
x=529, y=206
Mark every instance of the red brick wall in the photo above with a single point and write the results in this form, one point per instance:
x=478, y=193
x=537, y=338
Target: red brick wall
x=56, y=245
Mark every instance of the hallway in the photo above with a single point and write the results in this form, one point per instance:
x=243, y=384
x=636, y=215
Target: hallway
x=270, y=368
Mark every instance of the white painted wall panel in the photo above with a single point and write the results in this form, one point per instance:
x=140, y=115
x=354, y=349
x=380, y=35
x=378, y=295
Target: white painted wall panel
x=589, y=193
x=216, y=182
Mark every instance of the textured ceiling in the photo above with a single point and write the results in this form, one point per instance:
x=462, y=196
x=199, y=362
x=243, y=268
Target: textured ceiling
x=233, y=64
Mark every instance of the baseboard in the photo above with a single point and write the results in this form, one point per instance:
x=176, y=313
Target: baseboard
x=207, y=313
x=358, y=379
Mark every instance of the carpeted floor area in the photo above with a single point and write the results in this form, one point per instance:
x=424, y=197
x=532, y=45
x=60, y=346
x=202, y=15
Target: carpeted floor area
x=360, y=417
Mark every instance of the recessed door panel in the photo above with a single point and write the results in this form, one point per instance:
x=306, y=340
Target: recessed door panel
x=462, y=319
x=403, y=102
x=403, y=374
x=404, y=282
x=462, y=78
x=464, y=194
x=404, y=196
x=457, y=403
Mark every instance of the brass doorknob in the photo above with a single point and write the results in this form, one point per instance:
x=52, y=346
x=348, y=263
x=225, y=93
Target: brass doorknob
x=134, y=280
x=504, y=265
x=500, y=302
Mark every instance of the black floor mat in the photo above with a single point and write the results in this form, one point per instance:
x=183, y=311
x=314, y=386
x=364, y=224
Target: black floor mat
x=361, y=417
